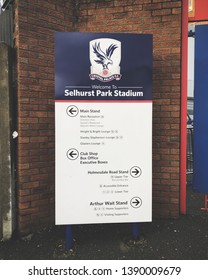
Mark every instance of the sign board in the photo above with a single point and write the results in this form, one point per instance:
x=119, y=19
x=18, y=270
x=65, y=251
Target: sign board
x=200, y=152
x=103, y=108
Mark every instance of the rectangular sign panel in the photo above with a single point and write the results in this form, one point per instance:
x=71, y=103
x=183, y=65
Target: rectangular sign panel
x=200, y=178
x=103, y=108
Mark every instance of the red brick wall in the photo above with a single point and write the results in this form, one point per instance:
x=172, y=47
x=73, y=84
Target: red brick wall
x=35, y=23
x=162, y=18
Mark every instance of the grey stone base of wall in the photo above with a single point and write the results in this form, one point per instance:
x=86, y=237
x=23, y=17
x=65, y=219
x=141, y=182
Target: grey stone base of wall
x=6, y=159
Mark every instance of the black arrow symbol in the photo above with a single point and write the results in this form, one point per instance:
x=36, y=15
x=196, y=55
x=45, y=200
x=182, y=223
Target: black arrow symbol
x=72, y=154
x=136, y=172
x=136, y=202
x=72, y=111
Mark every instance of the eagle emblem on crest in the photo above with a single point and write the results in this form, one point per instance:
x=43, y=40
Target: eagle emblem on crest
x=105, y=56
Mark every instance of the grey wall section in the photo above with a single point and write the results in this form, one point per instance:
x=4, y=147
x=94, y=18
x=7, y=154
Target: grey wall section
x=6, y=159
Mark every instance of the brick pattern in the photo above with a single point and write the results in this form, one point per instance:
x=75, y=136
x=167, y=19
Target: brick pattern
x=162, y=18
x=35, y=23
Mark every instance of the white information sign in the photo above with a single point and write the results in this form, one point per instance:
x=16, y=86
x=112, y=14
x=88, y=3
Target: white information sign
x=103, y=151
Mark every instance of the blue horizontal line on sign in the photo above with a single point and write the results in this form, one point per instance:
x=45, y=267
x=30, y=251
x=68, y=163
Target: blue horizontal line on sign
x=77, y=87
x=130, y=87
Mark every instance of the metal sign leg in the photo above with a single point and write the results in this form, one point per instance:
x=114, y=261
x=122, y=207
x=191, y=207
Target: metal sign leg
x=69, y=238
x=135, y=230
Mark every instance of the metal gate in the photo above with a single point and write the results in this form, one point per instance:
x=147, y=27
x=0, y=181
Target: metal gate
x=189, y=154
x=6, y=24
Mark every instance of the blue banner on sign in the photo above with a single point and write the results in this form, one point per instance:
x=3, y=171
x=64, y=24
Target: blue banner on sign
x=200, y=110
x=103, y=66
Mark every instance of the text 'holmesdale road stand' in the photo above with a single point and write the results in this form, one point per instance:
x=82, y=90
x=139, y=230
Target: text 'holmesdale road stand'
x=103, y=109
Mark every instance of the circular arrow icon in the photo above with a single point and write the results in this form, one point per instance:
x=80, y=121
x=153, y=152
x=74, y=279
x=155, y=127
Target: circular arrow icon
x=135, y=171
x=72, y=154
x=72, y=111
x=136, y=202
